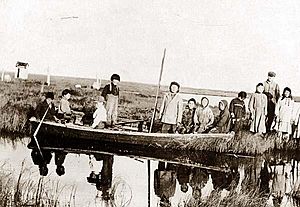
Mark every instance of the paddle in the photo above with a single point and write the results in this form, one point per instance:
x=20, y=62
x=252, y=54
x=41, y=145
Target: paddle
x=157, y=91
x=152, y=121
x=36, y=131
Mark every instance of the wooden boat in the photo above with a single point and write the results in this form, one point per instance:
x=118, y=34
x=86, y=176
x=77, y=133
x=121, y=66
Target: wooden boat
x=56, y=131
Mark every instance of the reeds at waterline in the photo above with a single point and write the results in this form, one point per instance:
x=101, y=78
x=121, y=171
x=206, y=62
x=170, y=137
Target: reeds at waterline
x=24, y=190
x=233, y=199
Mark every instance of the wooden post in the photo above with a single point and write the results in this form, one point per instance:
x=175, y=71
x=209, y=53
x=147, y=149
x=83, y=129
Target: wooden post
x=2, y=76
x=48, y=76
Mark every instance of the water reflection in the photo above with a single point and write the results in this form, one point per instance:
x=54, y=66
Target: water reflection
x=194, y=179
x=103, y=180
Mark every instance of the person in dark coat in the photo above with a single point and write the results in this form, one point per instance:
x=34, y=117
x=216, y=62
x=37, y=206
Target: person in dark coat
x=111, y=95
x=272, y=91
x=187, y=122
x=43, y=107
x=222, y=123
x=237, y=111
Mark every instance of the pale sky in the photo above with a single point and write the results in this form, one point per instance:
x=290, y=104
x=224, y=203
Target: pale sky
x=216, y=44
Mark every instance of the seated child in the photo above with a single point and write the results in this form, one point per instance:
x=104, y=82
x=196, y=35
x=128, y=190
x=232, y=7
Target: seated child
x=64, y=110
x=46, y=104
x=222, y=124
x=100, y=115
x=187, y=123
x=204, y=117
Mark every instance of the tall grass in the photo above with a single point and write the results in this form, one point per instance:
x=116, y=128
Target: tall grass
x=18, y=99
x=233, y=199
x=27, y=191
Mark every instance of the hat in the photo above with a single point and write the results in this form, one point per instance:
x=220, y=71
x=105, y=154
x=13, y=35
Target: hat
x=115, y=77
x=50, y=95
x=259, y=84
x=65, y=92
x=101, y=99
x=271, y=74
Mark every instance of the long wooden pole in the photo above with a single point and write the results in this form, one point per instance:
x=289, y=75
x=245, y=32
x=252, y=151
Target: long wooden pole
x=157, y=91
x=151, y=124
x=37, y=130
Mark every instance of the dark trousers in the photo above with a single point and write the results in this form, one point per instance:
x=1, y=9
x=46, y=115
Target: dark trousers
x=270, y=115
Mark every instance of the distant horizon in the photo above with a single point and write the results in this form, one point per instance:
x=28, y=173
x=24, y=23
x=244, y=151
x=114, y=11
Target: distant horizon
x=297, y=97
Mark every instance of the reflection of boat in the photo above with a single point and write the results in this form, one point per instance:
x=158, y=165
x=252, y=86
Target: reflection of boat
x=58, y=131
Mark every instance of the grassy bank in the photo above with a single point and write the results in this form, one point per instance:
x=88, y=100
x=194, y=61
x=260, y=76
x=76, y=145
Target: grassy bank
x=19, y=98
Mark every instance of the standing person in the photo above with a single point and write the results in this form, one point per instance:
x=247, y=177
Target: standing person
x=187, y=125
x=297, y=123
x=222, y=124
x=111, y=95
x=284, y=113
x=258, y=104
x=271, y=89
x=204, y=117
x=237, y=111
x=171, y=109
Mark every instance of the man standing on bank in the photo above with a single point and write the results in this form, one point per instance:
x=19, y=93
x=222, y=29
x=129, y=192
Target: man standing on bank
x=111, y=95
x=271, y=89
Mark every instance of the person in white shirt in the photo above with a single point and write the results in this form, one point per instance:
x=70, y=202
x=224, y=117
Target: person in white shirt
x=100, y=115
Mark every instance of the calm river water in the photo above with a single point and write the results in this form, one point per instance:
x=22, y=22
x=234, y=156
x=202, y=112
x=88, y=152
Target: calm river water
x=124, y=179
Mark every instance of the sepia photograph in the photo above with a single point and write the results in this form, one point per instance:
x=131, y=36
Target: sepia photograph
x=157, y=103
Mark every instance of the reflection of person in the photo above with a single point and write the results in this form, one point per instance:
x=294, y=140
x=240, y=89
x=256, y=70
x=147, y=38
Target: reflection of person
x=59, y=158
x=43, y=106
x=105, y=178
x=183, y=177
x=198, y=180
x=224, y=180
x=265, y=177
x=204, y=116
x=237, y=111
x=271, y=89
x=171, y=109
x=164, y=183
x=258, y=109
x=111, y=95
x=41, y=161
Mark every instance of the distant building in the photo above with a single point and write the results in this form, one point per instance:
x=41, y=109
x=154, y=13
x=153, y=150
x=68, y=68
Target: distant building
x=7, y=78
x=22, y=70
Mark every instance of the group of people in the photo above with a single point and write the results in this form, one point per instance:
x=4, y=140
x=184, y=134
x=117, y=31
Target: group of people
x=104, y=116
x=269, y=111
